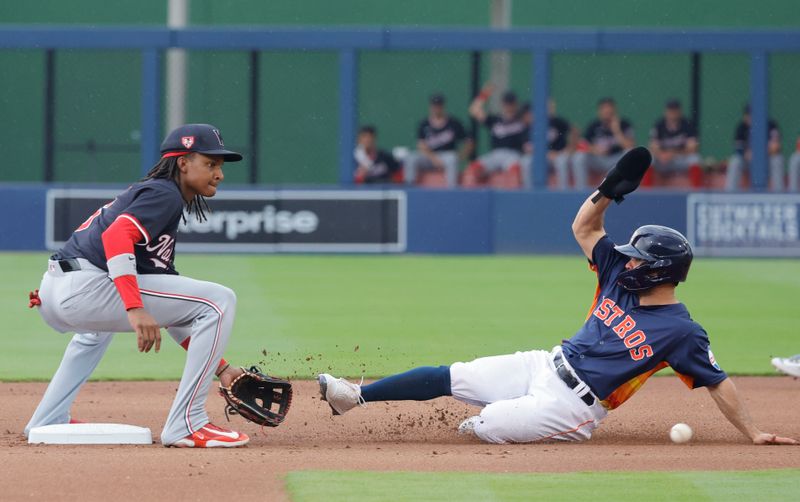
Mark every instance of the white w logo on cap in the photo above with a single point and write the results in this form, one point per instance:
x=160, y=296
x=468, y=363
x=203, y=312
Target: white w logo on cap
x=219, y=138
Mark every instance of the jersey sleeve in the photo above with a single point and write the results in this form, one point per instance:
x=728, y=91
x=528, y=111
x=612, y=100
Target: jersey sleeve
x=606, y=261
x=694, y=361
x=491, y=120
x=151, y=210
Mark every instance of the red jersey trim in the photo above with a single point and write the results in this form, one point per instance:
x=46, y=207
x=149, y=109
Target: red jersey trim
x=139, y=226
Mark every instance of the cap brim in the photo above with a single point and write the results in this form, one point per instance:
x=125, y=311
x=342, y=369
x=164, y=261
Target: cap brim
x=631, y=251
x=228, y=155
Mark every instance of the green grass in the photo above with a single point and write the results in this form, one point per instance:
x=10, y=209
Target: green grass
x=595, y=486
x=311, y=312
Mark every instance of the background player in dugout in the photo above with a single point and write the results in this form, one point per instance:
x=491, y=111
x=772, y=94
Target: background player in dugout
x=743, y=155
x=373, y=165
x=508, y=134
x=604, y=142
x=635, y=328
x=673, y=141
x=438, y=138
x=116, y=274
x=560, y=145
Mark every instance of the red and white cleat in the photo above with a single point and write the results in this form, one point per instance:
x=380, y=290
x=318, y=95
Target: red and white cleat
x=211, y=436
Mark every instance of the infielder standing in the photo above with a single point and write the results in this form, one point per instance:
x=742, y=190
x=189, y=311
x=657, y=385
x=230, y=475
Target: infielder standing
x=635, y=328
x=116, y=274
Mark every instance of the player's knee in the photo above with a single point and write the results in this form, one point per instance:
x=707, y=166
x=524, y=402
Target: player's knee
x=224, y=298
x=228, y=298
x=90, y=339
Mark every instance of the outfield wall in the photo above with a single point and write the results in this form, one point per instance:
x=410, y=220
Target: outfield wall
x=96, y=92
x=419, y=221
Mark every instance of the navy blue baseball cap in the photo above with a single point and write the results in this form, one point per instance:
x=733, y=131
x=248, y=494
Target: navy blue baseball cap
x=199, y=138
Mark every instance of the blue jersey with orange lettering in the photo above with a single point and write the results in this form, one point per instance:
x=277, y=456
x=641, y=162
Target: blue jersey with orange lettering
x=155, y=206
x=622, y=343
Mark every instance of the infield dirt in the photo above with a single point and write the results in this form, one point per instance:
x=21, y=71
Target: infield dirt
x=383, y=436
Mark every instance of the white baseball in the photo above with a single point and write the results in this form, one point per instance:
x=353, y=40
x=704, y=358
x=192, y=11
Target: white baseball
x=681, y=433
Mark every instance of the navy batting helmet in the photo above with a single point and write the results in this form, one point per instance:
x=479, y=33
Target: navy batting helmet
x=666, y=253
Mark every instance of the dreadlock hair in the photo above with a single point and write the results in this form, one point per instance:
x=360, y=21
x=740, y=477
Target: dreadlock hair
x=167, y=168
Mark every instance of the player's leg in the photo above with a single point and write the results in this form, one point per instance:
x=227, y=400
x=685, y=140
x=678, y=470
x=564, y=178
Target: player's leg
x=450, y=161
x=580, y=169
x=418, y=384
x=475, y=173
x=61, y=292
x=493, y=160
x=536, y=417
x=410, y=167
x=684, y=162
x=208, y=309
x=526, y=167
x=734, y=173
x=81, y=357
x=478, y=382
x=561, y=167
x=508, y=159
x=794, y=172
x=549, y=410
x=494, y=378
x=776, y=173
x=91, y=303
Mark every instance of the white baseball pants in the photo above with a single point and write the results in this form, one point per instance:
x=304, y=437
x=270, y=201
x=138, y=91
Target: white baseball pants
x=524, y=400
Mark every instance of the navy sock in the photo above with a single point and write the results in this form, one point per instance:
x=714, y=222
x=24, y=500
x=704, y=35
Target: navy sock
x=419, y=384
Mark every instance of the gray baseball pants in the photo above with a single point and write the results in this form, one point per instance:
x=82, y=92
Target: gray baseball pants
x=737, y=164
x=86, y=302
x=559, y=164
x=679, y=163
x=416, y=161
x=582, y=162
x=794, y=172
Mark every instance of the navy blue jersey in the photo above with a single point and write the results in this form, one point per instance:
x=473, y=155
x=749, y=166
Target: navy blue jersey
x=441, y=139
x=155, y=207
x=622, y=343
x=507, y=133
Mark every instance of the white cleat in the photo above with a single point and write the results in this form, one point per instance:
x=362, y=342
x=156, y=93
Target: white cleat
x=788, y=365
x=340, y=394
x=467, y=427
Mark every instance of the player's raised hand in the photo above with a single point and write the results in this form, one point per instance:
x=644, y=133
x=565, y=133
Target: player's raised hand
x=625, y=177
x=147, y=330
x=766, y=438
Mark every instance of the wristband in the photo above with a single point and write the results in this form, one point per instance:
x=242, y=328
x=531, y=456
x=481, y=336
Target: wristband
x=121, y=264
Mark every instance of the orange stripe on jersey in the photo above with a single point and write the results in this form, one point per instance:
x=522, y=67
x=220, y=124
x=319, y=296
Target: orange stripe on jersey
x=686, y=379
x=593, y=268
x=629, y=388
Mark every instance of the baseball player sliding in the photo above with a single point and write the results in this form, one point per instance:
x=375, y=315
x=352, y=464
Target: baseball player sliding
x=635, y=328
x=116, y=273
